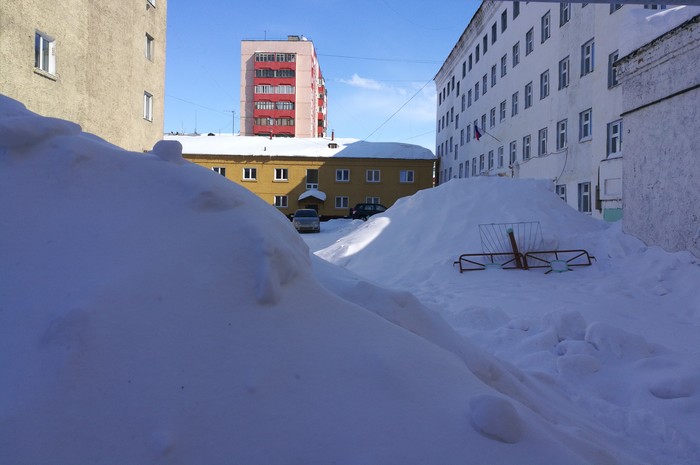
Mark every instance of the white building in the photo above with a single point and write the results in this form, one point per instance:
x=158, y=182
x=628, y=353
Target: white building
x=538, y=81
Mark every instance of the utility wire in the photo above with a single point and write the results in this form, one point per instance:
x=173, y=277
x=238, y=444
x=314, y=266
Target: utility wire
x=400, y=108
x=396, y=60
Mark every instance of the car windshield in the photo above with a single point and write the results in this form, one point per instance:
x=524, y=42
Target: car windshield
x=306, y=214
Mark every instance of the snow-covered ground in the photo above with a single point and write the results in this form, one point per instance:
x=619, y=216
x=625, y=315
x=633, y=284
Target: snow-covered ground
x=153, y=312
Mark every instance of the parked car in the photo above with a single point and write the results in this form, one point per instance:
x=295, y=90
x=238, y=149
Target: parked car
x=306, y=219
x=362, y=211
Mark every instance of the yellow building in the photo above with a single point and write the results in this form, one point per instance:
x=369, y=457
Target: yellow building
x=99, y=64
x=320, y=173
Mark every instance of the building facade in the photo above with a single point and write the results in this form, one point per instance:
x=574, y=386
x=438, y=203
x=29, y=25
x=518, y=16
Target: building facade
x=661, y=95
x=330, y=176
x=99, y=64
x=283, y=93
x=530, y=91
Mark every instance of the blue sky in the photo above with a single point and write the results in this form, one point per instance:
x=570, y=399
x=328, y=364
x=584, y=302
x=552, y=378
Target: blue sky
x=374, y=54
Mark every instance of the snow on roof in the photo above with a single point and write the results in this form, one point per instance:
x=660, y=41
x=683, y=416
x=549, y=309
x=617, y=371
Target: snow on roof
x=313, y=193
x=295, y=146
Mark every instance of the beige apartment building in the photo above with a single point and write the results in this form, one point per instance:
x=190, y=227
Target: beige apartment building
x=283, y=93
x=99, y=64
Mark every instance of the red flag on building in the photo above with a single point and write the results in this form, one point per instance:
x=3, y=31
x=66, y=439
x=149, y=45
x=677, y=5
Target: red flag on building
x=477, y=133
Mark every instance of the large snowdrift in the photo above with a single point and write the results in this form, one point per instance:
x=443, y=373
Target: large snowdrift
x=153, y=312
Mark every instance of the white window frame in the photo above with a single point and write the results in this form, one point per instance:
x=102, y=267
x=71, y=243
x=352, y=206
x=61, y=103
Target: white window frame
x=513, y=157
x=562, y=134
x=502, y=111
x=281, y=201
x=514, y=104
x=530, y=41
x=281, y=174
x=564, y=74
x=564, y=13
x=342, y=202
x=612, y=71
x=584, y=197
x=376, y=175
x=528, y=95
x=504, y=65
x=527, y=152
x=377, y=200
x=500, y=156
x=220, y=170
x=542, y=142
x=406, y=176
x=544, y=85
x=492, y=118
x=493, y=75
x=546, y=23
x=561, y=191
x=250, y=174
x=587, y=57
x=148, y=106
x=150, y=47
x=342, y=175
x=614, y=145
x=585, y=125
x=490, y=160
x=44, y=53
x=516, y=54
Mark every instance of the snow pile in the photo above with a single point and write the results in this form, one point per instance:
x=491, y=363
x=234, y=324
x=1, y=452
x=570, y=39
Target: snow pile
x=153, y=312
x=642, y=26
x=613, y=345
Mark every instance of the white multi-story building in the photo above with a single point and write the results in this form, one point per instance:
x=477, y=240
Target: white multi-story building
x=538, y=81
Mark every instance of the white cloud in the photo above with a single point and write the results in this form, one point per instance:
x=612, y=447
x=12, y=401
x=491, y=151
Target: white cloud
x=363, y=83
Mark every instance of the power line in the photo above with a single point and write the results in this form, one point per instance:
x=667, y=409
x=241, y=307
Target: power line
x=395, y=60
x=400, y=108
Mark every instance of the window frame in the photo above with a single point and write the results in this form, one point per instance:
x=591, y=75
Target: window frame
x=544, y=85
x=562, y=134
x=528, y=95
x=614, y=140
x=530, y=41
x=407, y=176
x=527, y=147
x=584, y=197
x=148, y=106
x=342, y=202
x=281, y=175
x=546, y=27
x=44, y=53
x=564, y=72
x=250, y=174
x=588, y=57
x=585, y=125
x=564, y=13
x=375, y=175
x=613, y=80
x=281, y=201
x=542, y=136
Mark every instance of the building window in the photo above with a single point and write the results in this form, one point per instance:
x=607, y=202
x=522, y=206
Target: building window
x=585, y=119
x=342, y=175
x=564, y=13
x=614, y=7
x=342, y=201
x=377, y=200
x=470, y=62
x=564, y=73
x=486, y=43
x=374, y=175
x=514, y=105
x=493, y=75
x=281, y=174
x=250, y=174
x=284, y=105
x=655, y=7
x=516, y=9
x=150, y=44
x=587, y=58
x=457, y=121
x=458, y=88
x=147, y=106
x=584, y=197
x=528, y=95
x=562, y=137
x=461, y=170
x=545, y=23
x=464, y=102
x=615, y=137
x=461, y=136
x=44, y=53
x=476, y=54
x=483, y=121
x=561, y=191
x=529, y=41
x=502, y=112
x=500, y=156
x=264, y=105
x=544, y=85
x=406, y=176
x=469, y=98
x=513, y=152
x=485, y=83
x=312, y=179
x=516, y=54
x=474, y=166
x=490, y=161
x=504, y=66
x=482, y=165
x=219, y=169
x=492, y=117
x=464, y=69
x=281, y=201
x=494, y=32
x=526, y=147
x=612, y=70
x=504, y=21
x=542, y=142
x=469, y=132
x=476, y=91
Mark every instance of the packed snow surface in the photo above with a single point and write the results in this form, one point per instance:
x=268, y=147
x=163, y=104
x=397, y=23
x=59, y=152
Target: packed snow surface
x=153, y=312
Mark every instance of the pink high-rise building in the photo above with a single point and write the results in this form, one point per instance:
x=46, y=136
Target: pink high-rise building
x=282, y=89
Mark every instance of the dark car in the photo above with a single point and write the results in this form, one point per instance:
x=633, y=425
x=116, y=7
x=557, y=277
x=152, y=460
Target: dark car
x=306, y=219
x=362, y=211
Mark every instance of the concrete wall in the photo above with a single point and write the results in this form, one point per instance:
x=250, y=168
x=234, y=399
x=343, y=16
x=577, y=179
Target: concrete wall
x=661, y=169
x=101, y=70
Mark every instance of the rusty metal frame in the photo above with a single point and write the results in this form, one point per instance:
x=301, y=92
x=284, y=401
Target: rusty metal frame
x=511, y=264
x=541, y=262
